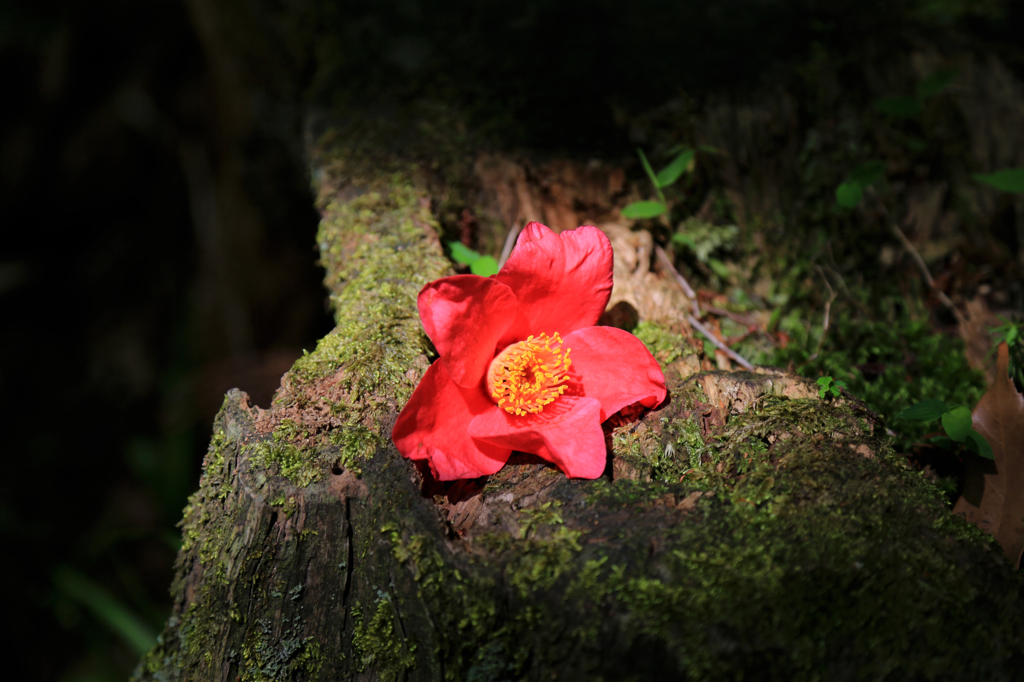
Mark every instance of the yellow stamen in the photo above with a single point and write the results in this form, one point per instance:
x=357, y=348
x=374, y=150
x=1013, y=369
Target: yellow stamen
x=530, y=374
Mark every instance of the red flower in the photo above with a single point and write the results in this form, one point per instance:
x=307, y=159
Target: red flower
x=522, y=365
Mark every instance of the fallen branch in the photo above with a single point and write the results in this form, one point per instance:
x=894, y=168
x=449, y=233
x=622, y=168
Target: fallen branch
x=828, y=309
x=736, y=357
x=510, y=241
x=921, y=265
x=666, y=263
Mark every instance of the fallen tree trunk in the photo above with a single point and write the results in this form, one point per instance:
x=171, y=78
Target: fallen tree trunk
x=745, y=529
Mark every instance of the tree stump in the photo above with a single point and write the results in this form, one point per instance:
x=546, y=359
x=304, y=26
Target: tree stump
x=745, y=529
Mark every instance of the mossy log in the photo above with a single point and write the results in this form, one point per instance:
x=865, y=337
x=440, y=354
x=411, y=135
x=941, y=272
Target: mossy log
x=746, y=529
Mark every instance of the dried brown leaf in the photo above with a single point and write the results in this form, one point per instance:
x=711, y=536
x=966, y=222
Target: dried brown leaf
x=993, y=497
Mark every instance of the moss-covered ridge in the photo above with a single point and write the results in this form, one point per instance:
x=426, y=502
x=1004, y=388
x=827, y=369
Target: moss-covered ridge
x=268, y=474
x=378, y=248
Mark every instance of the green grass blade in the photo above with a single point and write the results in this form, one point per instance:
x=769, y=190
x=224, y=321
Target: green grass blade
x=1008, y=179
x=643, y=209
x=679, y=165
x=107, y=609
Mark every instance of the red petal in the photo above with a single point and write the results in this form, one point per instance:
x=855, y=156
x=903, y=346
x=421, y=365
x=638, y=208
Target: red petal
x=433, y=426
x=614, y=367
x=561, y=281
x=464, y=316
x=567, y=433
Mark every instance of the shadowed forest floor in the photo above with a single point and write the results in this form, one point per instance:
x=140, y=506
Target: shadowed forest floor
x=160, y=239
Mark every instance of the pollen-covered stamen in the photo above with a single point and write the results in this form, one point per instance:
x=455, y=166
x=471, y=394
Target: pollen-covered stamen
x=530, y=374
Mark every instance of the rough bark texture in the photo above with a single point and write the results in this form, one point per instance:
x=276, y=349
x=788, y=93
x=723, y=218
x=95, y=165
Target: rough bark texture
x=744, y=529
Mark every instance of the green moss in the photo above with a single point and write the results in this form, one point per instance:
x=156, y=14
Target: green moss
x=544, y=550
x=287, y=504
x=198, y=523
x=356, y=443
x=287, y=460
x=378, y=254
x=795, y=533
x=378, y=646
x=664, y=345
x=909, y=362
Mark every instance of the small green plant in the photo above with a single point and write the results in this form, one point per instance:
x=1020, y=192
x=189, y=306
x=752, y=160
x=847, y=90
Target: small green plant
x=1007, y=179
x=1012, y=333
x=827, y=386
x=683, y=162
x=956, y=422
x=851, y=191
x=485, y=266
x=913, y=105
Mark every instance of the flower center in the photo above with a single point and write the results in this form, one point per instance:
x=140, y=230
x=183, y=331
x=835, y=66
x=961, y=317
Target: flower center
x=530, y=374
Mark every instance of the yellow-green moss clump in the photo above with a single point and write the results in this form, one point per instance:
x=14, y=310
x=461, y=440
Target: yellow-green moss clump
x=379, y=249
x=378, y=644
x=664, y=345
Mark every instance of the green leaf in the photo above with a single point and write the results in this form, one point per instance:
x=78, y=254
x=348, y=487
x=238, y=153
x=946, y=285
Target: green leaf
x=924, y=411
x=977, y=444
x=679, y=165
x=867, y=173
x=915, y=144
x=647, y=167
x=485, y=266
x=957, y=423
x=463, y=254
x=1007, y=179
x=684, y=240
x=719, y=268
x=824, y=383
x=643, y=209
x=899, y=107
x=936, y=83
x=107, y=609
x=849, y=194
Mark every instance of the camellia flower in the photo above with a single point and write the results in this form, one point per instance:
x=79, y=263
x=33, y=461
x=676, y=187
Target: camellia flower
x=522, y=366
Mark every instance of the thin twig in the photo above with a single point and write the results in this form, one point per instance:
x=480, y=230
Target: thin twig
x=666, y=263
x=846, y=290
x=745, y=320
x=828, y=309
x=921, y=265
x=510, y=241
x=736, y=357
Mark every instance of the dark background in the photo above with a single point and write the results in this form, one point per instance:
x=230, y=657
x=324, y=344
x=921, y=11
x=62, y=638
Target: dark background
x=158, y=229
